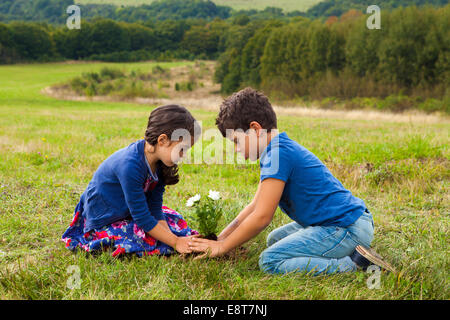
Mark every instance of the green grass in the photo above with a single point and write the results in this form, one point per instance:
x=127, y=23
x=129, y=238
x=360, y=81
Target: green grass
x=406, y=188
x=286, y=5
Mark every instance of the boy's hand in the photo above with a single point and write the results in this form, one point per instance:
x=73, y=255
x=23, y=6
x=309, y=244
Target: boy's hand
x=210, y=248
x=182, y=244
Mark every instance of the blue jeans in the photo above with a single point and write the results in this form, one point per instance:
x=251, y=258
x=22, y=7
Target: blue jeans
x=318, y=249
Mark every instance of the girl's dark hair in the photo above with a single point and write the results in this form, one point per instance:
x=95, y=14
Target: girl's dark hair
x=165, y=120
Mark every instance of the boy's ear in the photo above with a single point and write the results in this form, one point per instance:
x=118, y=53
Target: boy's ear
x=255, y=126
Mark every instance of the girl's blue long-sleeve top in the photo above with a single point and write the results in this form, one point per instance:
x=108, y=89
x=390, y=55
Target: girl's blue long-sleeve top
x=116, y=191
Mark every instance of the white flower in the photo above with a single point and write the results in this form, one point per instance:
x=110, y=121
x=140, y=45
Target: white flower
x=190, y=202
x=215, y=195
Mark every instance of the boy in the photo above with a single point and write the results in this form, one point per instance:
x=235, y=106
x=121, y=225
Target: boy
x=332, y=229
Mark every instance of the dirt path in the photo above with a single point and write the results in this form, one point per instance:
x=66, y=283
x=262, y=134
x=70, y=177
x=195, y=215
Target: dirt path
x=212, y=103
x=206, y=97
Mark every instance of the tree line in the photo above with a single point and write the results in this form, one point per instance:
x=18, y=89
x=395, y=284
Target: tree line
x=166, y=29
x=185, y=29
x=290, y=56
x=337, y=8
x=342, y=58
x=54, y=11
x=109, y=40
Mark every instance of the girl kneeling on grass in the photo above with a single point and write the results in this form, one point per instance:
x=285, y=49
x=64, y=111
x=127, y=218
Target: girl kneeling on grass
x=122, y=206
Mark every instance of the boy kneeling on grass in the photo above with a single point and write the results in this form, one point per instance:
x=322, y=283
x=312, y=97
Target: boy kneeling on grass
x=331, y=229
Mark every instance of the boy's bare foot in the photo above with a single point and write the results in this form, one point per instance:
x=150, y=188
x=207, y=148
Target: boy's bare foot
x=364, y=257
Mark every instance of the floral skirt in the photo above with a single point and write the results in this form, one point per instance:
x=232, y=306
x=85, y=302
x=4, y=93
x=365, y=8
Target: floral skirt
x=123, y=236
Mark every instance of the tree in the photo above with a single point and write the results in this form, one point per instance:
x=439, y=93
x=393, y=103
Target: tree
x=74, y=44
x=351, y=14
x=31, y=41
x=200, y=39
x=108, y=36
x=319, y=36
x=361, y=48
x=169, y=34
x=6, y=45
x=252, y=54
x=331, y=20
x=140, y=36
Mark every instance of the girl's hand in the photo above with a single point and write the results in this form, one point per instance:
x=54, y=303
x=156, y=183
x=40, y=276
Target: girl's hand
x=210, y=248
x=182, y=244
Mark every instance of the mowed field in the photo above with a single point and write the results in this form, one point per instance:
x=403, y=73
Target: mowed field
x=50, y=148
x=286, y=5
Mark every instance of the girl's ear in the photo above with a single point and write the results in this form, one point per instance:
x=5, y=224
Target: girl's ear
x=163, y=139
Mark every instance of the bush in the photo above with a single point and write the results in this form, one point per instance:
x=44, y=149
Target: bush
x=185, y=86
x=110, y=73
x=396, y=103
x=158, y=70
x=114, y=82
x=91, y=90
x=432, y=105
x=78, y=84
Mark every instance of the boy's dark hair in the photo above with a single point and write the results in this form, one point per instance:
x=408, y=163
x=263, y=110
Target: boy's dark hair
x=165, y=120
x=243, y=107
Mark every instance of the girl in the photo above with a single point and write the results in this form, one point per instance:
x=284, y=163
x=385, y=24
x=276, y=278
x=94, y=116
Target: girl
x=122, y=205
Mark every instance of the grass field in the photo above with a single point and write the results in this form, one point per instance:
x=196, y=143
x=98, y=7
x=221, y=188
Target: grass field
x=286, y=5
x=400, y=169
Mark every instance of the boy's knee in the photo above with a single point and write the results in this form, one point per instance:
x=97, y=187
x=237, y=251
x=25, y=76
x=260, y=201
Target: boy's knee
x=266, y=262
x=272, y=238
x=263, y=262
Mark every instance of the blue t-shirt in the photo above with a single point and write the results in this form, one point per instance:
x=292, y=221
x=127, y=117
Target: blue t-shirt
x=312, y=196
